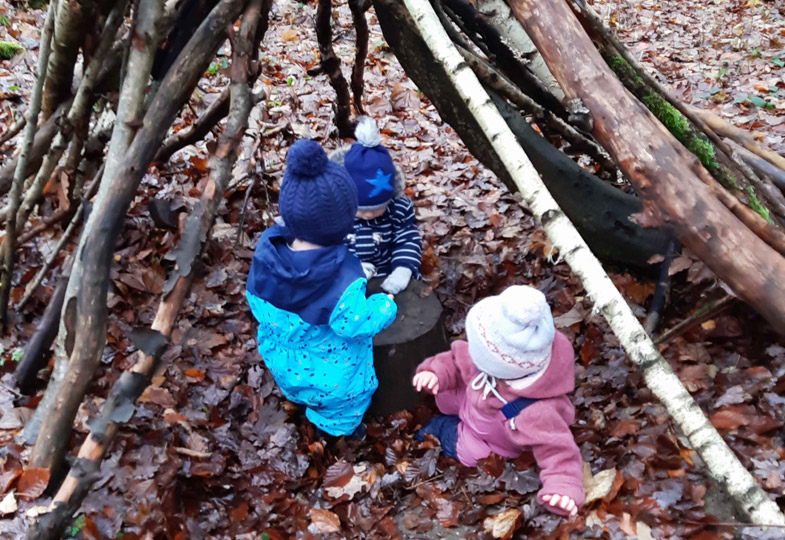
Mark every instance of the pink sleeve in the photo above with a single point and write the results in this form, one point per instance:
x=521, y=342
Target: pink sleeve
x=453, y=368
x=544, y=427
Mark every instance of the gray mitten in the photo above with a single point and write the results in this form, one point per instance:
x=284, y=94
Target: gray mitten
x=397, y=281
x=369, y=269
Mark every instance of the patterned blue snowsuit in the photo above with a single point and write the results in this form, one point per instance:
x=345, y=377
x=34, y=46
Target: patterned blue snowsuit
x=316, y=328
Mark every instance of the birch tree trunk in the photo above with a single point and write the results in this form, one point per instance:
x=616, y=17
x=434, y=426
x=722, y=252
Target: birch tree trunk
x=722, y=464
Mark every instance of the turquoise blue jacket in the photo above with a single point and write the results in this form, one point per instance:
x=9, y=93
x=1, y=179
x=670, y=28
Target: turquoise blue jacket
x=316, y=328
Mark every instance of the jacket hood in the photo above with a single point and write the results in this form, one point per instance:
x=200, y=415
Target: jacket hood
x=307, y=283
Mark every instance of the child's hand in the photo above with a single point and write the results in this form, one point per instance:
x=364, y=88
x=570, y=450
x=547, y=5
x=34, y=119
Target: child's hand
x=427, y=380
x=369, y=269
x=561, y=501
x=397, y=281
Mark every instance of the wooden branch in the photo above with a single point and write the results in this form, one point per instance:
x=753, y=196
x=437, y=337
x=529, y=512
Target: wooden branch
x=544, y=118
x=331, y=65
x=130, y=106
x=37, y=347
x=688, y=128
x=217, y=110
x=519, y=72
x=43, y=139
x=131, y=384
x=361, y=51
x=602, y=213
x=661, y=292
x=74, y=125
x=6, y=273
x=763, y=166
x=720, y=460
x=677, y=191
x=108, y=213
x=724, y=129
x=701, y=315
x=67, y=37
x=12, y=132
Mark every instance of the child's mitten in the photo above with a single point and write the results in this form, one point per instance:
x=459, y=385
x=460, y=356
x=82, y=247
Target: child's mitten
x=369, y=269
x=397, y=281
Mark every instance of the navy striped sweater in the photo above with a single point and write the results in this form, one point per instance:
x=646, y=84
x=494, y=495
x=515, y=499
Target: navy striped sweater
x=390, y=240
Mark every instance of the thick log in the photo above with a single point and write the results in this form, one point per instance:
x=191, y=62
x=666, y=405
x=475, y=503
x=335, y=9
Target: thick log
x=670, y=180
x=417, y=333
x=601, y=212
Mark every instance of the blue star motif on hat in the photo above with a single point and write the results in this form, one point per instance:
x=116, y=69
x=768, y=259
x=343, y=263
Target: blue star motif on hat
x=380, y=183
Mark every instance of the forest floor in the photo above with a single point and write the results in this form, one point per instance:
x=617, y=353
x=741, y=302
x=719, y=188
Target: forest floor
x=214, y=452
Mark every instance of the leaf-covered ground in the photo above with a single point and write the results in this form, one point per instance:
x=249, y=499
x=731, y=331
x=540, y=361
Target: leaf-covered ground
x=213, y=451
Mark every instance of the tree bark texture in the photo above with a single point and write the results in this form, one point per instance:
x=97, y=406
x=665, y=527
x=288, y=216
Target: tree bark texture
x=108, y=214
x=670, y=180
x=14, y=198
x=720, y=460
x=331, y=66
x=68, y=36
x=601, y=212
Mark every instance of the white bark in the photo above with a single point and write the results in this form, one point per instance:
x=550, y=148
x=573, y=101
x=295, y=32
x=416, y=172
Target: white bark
x=513, y=34
x=722, y=464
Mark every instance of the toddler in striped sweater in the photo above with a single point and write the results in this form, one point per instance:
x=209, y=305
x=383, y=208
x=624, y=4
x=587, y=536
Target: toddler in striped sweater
x=385, y=236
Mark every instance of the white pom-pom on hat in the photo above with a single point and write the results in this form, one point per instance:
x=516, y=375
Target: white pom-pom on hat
x=366, y=133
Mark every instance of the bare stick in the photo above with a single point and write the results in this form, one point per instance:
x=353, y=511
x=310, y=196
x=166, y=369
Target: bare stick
x=547, y=120
x=19, y=174
x=217, y=110
x=109, y=211
x=331, y=65
x=709, y=311
x=132, y=383
x=361, y=51
x=15, y=128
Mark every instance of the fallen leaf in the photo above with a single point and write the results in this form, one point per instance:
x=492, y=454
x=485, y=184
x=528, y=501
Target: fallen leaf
x=599, y=485
x=8, y=504
x=325, y=521
x=729, y=419
x=32, y=483
x=503, y=524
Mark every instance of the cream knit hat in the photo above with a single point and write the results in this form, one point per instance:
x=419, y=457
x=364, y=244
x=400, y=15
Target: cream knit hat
x=511, y=335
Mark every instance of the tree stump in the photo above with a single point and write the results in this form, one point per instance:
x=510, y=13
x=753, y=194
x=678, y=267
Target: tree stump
x=417, y=333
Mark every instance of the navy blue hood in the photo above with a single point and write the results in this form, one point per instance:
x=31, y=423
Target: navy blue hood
x=306, y=283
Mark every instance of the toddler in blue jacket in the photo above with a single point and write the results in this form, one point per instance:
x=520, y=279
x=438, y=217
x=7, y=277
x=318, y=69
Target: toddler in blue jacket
x=385, y=235
x=307, y=292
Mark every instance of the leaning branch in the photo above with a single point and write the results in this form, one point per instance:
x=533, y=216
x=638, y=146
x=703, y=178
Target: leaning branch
x=331, y=65
x=108, y=214
x=119, y=405
x=15, y=196
x=722, y=463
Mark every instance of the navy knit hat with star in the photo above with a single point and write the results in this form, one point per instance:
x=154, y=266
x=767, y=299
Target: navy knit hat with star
x=318, y=199
x=371, y=167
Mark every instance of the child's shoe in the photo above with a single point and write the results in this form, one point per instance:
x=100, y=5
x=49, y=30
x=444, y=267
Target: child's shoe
x=445, y=428
x=358, y=434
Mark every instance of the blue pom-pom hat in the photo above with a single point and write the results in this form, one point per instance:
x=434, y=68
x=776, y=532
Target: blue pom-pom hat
x=318, y=198
x=371, y=168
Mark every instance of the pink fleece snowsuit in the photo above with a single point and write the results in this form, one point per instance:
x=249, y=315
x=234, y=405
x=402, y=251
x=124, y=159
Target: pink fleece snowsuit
x=543, y=427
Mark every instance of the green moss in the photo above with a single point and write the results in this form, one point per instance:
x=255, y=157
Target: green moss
x=623, y=69
x=754, y=203
x=8, y=49
x=697, y=143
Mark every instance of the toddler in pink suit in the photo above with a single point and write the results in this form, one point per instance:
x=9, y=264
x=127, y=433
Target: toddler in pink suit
x=504, y=391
